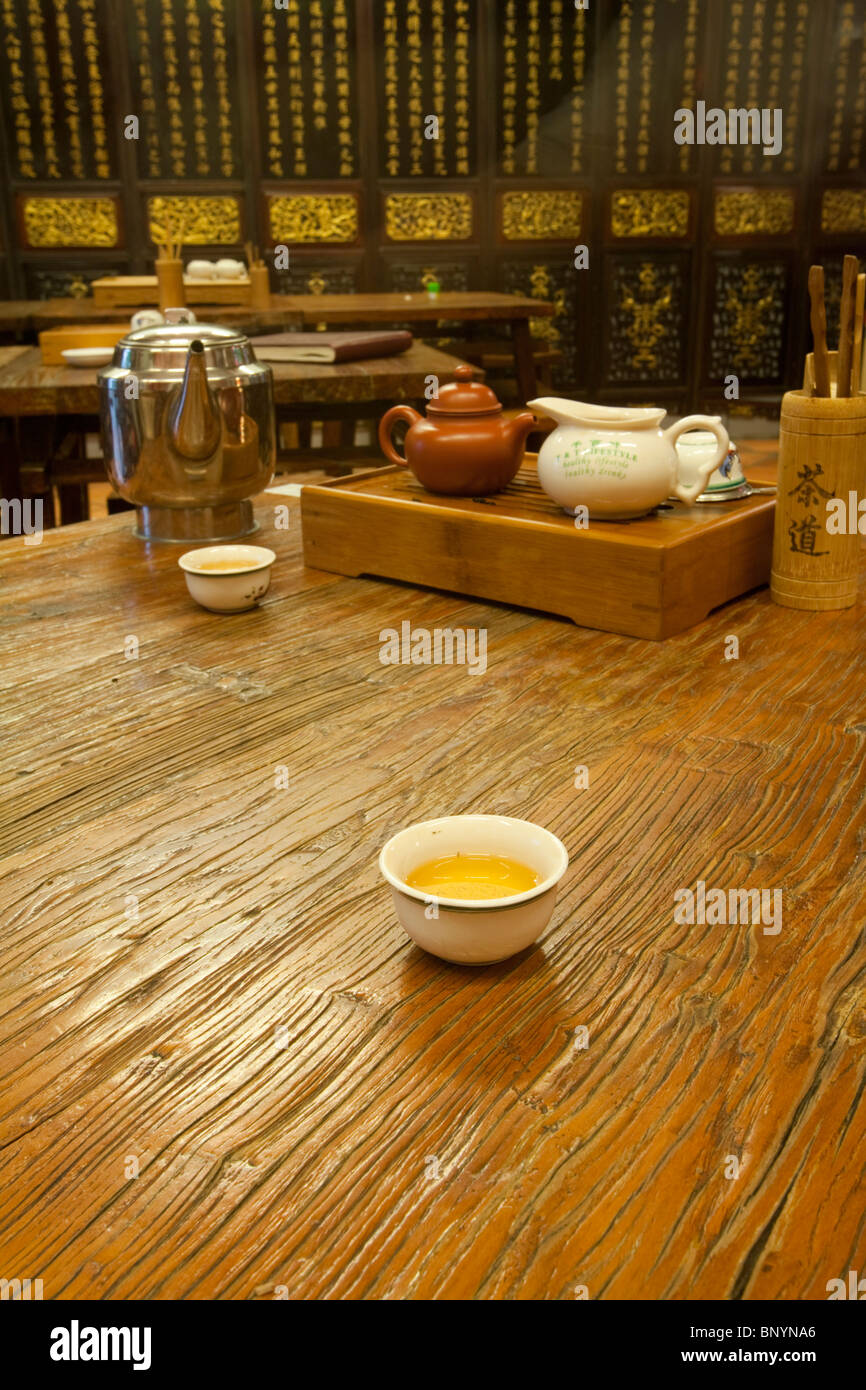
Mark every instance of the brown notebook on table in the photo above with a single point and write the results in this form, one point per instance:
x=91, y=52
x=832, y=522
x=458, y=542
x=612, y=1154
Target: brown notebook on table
x=329, y=347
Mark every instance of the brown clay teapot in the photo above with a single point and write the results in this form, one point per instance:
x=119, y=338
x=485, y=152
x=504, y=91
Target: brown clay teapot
x=463, y=446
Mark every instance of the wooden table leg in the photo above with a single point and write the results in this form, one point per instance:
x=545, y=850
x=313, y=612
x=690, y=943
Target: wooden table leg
x=74, y=503
x=10, y=458
x=524, y=360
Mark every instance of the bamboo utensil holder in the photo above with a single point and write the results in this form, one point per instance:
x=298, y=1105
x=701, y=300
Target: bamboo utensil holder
x=169, y=282
x=822, y=455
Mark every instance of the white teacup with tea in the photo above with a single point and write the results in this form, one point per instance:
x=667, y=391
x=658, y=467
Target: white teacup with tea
x=474, y=889
x=228, y=578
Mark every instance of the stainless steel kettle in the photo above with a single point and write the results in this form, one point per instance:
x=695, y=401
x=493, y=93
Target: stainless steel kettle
x=188, y=429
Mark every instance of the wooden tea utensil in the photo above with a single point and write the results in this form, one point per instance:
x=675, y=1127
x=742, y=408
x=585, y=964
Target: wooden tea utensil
x=857, y=358
x=818, y=320
x=822, y=453
x=850, y=267
x=177, y=246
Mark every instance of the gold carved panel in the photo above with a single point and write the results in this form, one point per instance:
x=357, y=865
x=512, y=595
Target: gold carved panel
x=754, y=212
x=843, y=210
x=429, y=216
x=647, y=319
x=645, y=212
x=314, y=217
x=554, y=215
x=199, y=221
x=72, y=221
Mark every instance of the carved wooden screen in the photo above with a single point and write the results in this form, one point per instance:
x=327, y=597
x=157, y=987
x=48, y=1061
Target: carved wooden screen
x=307, y=124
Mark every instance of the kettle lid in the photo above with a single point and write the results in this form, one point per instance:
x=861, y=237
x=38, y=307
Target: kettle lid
x=167, y=345
x=464, y=396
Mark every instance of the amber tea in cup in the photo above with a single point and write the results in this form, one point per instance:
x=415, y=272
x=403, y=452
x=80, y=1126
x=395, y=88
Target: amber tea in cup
x=226, y=566
x=474, y=876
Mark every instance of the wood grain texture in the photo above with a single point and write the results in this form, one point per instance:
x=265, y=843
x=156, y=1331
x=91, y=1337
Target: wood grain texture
x=10, y=354
x=166, y=909
x=28, y=387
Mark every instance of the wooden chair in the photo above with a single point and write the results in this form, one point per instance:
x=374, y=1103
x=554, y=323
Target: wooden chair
x=496, y=356
x=69, y=470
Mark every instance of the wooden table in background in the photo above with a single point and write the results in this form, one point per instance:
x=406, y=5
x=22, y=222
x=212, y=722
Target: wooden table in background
x=29, y=316
x=29, y=388
x=202, y=972
x=481, y=308
x=33, y=397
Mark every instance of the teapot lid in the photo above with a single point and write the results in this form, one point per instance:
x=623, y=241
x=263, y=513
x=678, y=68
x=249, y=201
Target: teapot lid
x=465, y=396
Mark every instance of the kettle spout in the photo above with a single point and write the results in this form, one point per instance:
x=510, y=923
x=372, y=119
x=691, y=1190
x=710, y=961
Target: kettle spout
x=194, y=420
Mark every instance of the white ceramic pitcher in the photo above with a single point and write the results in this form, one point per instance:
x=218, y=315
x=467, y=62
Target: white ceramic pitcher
x=617, y=462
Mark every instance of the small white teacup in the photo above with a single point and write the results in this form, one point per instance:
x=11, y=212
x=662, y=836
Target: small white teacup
x=473, y=931
x=228, y=269
x=146, y=318
x=228, y=578
x=201, y=270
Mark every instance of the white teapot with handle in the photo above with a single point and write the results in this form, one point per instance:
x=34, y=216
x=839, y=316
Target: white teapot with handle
x=617, y=462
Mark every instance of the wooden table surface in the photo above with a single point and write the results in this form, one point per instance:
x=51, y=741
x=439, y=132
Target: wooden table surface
x=29, y=315
x=204, y=983
x=29, y=388
x=467, y=305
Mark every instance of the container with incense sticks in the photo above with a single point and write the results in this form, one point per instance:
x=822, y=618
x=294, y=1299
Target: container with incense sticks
x=822, y=465
x=169, y=270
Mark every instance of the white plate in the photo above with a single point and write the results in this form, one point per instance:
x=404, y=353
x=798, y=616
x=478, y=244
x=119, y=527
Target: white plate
x=88, y=357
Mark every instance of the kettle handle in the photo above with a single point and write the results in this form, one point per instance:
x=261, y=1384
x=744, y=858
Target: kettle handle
x=698, y=422
x=179, y=315
x=386, y=425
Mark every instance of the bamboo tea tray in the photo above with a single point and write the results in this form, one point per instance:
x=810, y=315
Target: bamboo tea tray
x=652, y=577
